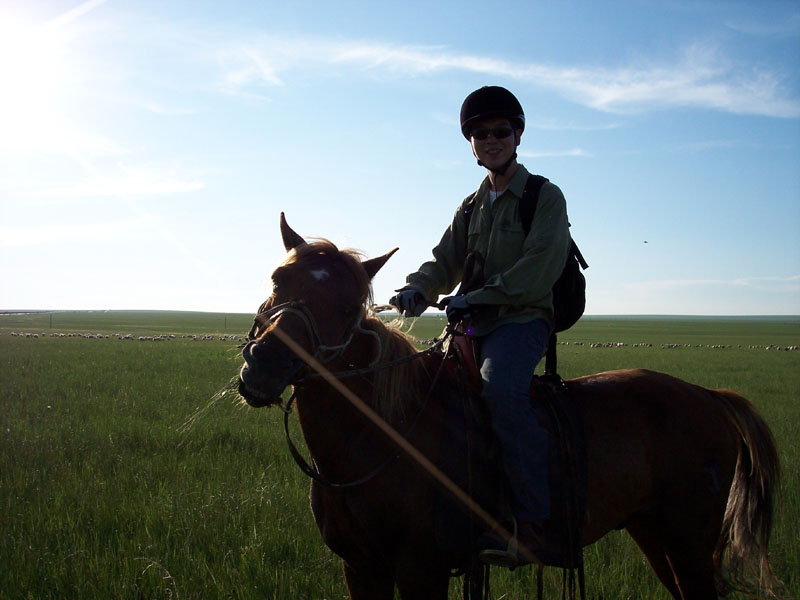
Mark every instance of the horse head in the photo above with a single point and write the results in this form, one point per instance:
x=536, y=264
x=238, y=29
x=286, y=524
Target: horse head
x=319, y=296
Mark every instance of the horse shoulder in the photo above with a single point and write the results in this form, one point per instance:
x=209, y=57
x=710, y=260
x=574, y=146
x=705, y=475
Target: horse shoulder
x=331, y=517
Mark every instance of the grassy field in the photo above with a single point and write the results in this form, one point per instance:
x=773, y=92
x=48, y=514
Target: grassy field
x=122, y=477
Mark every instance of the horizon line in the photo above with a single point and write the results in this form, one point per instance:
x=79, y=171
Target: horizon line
x=34, y=311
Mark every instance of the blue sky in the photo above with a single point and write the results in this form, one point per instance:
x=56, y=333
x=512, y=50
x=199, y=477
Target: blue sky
x=148, y=148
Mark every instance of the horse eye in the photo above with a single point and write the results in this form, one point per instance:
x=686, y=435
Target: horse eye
x=277, y=278
x=350, y=312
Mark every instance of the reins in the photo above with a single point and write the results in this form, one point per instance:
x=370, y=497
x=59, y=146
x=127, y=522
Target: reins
x=384, y=365
x=299, y=310
x=311, y=470
x=401, y=442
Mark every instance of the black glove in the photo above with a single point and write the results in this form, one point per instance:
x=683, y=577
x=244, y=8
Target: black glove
x=457, y=308
x=409, y=303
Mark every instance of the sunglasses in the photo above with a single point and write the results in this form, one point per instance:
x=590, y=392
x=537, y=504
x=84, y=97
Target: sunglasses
x=499, y=133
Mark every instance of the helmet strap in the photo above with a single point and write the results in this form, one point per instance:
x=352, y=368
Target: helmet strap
x=503, y=168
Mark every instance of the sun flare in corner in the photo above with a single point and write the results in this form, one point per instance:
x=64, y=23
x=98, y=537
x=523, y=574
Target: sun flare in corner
x=36, y=73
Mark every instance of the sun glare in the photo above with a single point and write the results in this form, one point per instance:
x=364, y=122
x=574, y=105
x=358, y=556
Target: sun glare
x=34, y=71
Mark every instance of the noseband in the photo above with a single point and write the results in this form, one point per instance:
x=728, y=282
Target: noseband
x=322, y=352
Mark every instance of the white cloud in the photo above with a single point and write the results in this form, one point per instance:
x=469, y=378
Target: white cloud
x=750, y=295
x=708, y=145
x=61, y=233
x=554, y=153
x=766, y=28
x=160, y=109
x=73, y=13
x=790, y=283
x=123, y=182
x=701, y=76
x=555, y=125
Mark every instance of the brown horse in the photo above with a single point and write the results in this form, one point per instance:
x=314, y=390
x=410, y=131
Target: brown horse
x=689, y=472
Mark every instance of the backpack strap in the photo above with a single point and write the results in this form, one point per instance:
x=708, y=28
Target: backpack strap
x=467, y=207
x=529, y=200
x=527, y=204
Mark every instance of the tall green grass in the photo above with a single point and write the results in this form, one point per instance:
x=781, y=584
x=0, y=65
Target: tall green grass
x=126, y=321
x=120, y=477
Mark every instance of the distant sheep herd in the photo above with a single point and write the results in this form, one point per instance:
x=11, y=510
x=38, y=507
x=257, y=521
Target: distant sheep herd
x=241, y=339
x=671, y=346
x=130, y=336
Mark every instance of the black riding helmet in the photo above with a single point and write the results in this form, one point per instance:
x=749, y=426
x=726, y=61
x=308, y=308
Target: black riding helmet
x=491, y=101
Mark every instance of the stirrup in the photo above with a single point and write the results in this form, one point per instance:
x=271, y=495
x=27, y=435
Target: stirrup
x=498, y=557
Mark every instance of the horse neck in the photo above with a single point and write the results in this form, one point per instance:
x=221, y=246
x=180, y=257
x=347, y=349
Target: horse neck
x=342, y=440
x=331, y=427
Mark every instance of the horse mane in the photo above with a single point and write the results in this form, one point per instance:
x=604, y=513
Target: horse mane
x=395, y=388
x=404, y=384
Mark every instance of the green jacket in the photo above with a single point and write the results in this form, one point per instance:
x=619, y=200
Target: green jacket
x=519, y=271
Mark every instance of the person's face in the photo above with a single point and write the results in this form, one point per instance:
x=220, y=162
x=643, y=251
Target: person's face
x=495, y=148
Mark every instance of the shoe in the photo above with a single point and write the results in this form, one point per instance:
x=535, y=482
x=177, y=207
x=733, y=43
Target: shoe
x=520, y=549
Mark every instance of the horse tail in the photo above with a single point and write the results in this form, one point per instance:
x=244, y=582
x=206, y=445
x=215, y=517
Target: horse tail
x=747, y=523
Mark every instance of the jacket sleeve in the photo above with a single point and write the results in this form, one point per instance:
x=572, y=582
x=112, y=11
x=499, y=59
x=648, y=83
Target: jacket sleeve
x=529, y=281
x=441, y=274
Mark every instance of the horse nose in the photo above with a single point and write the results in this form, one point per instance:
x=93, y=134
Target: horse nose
x=262, y=353
x=258, y=350
x=247, y=352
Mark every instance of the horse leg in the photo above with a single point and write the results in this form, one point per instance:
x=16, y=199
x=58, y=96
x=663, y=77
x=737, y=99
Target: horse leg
x=422, y=580
x=368, y=584
x=424, y=589
x=646, y=536
x=693, y=524
x=684, y=565
x=694, y=573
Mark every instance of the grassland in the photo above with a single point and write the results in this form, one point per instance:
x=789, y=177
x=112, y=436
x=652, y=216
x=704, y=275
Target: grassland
x=120, y=477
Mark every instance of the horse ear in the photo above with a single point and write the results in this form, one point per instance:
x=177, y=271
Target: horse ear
x=291, y=239
x=373, y=265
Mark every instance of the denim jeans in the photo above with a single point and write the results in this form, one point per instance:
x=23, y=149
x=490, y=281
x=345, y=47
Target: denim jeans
x=507, y=358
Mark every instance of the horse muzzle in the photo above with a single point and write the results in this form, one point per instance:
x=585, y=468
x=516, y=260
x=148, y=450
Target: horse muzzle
x=268, y=368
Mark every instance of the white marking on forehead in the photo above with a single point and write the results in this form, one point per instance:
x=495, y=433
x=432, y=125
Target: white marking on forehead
x=320, y=274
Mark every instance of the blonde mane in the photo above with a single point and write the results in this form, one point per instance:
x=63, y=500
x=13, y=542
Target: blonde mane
x=402, y=385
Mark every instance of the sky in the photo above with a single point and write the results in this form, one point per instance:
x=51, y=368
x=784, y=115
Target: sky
x=147, y=148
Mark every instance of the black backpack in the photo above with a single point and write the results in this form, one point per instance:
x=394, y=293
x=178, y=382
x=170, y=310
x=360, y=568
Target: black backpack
x=569, y=291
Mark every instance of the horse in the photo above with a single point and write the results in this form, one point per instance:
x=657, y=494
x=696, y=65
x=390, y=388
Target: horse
x=689, y=472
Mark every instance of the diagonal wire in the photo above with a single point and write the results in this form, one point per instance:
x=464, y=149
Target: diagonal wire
x=398, y=439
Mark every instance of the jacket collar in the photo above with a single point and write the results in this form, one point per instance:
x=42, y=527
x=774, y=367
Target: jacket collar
x=516, y=185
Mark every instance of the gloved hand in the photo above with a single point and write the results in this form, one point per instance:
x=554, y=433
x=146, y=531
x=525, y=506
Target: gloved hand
x=409, y=302
x=457, y=308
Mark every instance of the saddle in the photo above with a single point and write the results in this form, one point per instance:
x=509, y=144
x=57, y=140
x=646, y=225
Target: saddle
x=470, y=457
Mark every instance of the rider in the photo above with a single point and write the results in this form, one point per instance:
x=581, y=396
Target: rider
x=512, y=311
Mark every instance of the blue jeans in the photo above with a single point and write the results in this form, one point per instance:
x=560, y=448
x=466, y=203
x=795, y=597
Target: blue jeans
x=507, y=358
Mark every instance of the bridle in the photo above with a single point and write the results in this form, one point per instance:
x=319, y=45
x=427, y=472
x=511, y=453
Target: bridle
x=324, y=354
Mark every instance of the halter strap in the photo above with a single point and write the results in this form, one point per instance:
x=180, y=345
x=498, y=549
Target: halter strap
x=301, y=311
